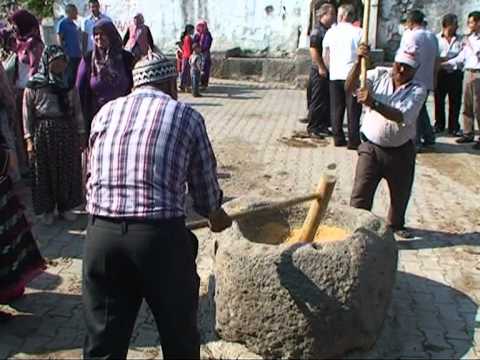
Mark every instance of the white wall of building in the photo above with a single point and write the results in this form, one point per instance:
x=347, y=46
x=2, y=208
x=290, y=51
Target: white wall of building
x=233, y=23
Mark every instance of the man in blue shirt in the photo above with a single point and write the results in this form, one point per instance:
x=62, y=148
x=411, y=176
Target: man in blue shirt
x=89, y=23
x=69, y=37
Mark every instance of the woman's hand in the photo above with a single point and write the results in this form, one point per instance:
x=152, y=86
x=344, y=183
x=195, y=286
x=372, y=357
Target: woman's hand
x=30, y=149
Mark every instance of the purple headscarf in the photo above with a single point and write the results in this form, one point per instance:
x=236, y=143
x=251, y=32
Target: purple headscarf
x=108, y=63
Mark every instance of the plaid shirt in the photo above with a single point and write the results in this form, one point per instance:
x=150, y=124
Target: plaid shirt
x=144, y=150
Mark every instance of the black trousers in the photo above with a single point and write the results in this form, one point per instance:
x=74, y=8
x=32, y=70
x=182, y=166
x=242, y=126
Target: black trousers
x=450, y=84
x=318, y=100
x=126, y=262
x=71, y=71
x=396, y=166
x=339, y=101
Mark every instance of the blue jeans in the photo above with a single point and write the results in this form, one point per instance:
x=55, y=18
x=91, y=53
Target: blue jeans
x=195, y=82
x=424, y=127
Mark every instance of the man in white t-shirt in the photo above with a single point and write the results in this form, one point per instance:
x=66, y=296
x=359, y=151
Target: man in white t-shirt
x=426, y=45
x=340, y=46
x=89, y=23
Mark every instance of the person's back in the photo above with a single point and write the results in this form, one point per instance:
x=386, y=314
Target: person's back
x=144, y=150
x=342, y=40
x=167, y=135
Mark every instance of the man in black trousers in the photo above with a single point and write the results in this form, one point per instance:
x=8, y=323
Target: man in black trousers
x=339, y=53
x=318, y=86
x=145, y=149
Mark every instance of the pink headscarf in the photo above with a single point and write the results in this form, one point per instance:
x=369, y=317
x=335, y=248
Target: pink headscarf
x=29, y=46
x=202, y=27
x=138, y=35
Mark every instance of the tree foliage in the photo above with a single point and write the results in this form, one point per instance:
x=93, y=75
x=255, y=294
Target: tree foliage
x=40, y=8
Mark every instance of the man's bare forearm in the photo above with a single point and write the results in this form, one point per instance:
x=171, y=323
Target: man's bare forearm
x=388, y=112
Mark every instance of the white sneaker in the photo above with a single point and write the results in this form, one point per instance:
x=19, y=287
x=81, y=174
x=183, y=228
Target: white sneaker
x=48, y=219
x=69, y=216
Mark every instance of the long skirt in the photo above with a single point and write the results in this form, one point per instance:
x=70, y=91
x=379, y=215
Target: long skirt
x=20, y=259
x=19, y=138
x=57, y=174
x=9, y=137
x=185, y=79
x=207, y=65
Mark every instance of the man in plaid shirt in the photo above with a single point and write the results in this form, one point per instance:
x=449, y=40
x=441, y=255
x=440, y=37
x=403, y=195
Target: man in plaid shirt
x=146, y=148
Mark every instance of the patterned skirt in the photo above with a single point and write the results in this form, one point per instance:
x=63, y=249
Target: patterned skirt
x=20, y=259
x=57, y=169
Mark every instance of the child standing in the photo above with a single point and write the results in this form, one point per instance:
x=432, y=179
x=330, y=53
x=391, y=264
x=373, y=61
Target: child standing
x=196, y=69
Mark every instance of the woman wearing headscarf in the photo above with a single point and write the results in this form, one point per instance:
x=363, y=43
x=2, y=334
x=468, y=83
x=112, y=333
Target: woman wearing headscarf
x=55, y=136
x=138, y=38
x=20, y=259
x=187, y=42
x=28, y=49
x=104, y=73
x=204, y=38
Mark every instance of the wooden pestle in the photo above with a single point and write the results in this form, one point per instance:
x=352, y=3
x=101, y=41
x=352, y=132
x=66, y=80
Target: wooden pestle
x=318, y=208
x=366, y=29
x=246, y=213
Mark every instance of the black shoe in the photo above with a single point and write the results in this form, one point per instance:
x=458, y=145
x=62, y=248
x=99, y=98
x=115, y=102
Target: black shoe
x=325, y=131
x=465, y=139
x=353, y=146
x=438, y=130
x=315, y=134
x=340, y=142
x=303, y=120
x=402, y=233
x=476, y=146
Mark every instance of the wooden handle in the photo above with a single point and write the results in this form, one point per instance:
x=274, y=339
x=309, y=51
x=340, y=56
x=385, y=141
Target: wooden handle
x=246, y=213
x=318, y=208
x=366, y=28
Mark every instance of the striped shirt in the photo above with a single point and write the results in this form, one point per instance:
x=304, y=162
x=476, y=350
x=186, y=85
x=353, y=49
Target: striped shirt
x=145, y=149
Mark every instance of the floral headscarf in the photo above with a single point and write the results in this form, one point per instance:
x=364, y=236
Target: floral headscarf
x=44, y=77
x=55, y=82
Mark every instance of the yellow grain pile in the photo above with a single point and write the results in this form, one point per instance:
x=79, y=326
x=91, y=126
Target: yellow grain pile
x=324, y=234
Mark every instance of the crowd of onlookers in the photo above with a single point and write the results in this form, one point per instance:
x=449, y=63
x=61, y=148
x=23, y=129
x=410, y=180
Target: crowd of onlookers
x=99, y=65
x=449, y=65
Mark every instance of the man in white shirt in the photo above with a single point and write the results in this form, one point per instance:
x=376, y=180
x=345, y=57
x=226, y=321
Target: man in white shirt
x=393, y=100
x=450, y=78
x=339, y=54
x=427, y=47
x=89, y=23
x=469, y=57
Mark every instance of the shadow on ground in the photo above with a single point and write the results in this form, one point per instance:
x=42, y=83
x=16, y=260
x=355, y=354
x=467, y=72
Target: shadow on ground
x=442, y=327
x=427, y=239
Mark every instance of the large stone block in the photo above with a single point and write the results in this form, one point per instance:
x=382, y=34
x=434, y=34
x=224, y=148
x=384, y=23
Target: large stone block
x=318, y=300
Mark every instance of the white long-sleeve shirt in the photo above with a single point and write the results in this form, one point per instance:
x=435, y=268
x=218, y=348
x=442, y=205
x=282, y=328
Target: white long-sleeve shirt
x=469, y=57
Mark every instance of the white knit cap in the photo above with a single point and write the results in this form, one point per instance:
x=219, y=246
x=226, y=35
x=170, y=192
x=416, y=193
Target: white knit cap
x=407, y=56
x=153, y=68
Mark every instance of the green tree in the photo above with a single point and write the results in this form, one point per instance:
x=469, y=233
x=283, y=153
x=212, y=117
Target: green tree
x=40, y=8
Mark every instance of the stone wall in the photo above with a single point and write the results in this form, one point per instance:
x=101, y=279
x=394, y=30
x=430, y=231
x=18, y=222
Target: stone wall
x=391, y=11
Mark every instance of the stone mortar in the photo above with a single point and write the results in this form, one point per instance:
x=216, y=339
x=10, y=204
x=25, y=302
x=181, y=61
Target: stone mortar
x=304, y=301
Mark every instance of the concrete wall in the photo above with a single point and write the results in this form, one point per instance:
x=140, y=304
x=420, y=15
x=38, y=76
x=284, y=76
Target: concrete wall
x=391, y=11
x=251, y=24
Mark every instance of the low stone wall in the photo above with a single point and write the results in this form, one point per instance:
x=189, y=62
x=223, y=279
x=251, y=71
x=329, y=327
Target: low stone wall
x=293, y=70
